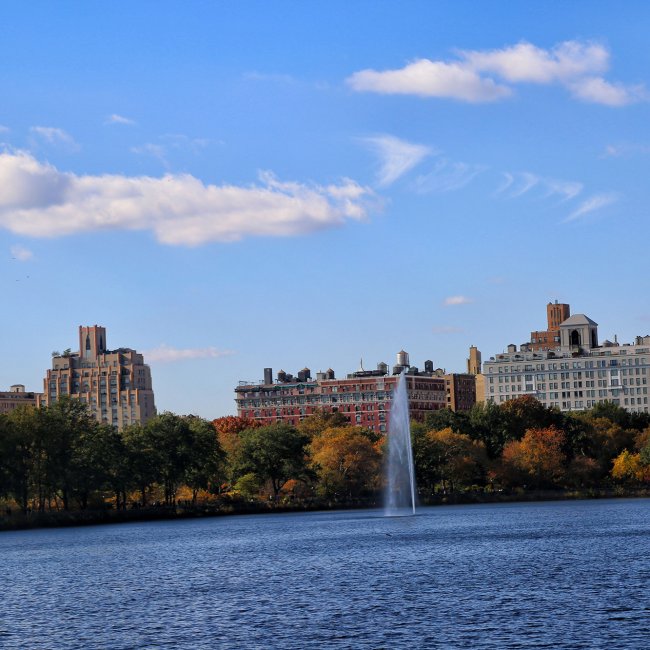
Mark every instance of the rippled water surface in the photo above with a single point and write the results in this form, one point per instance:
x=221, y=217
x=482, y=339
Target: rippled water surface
x=544, y=575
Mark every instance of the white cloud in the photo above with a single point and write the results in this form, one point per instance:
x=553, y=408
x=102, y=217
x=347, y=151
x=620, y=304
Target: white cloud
x=114, y=118
x=525, y=62
x=430, y=79
x=53, y=136
x=452, y=301
x=396, y=157
x=593, y=203
x=576, y=65
x=38, y=200
x=598, y=91
x=21, y=253
x=447, y=176
x=4, y=129
x=447, y=329
x=166, y=354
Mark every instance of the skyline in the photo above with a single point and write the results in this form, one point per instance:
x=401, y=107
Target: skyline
x=250, y=185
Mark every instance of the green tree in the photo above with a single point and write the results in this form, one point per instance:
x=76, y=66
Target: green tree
x=206, y=464
x=275, y=453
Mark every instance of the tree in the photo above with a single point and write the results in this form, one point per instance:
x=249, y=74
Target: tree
x=536, y=460
x=206, y=463
x=318, y=422
x=171, y=437
x=274, y=453
x=347, y=461
x=607, y=440
x=228, y=430
x=627, y=467
x=66, y=424
x=96, y=458
x=457, y=459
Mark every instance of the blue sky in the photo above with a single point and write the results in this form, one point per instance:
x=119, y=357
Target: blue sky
x=229, y=186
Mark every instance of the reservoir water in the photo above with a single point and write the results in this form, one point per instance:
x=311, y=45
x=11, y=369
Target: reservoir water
x=543, y=575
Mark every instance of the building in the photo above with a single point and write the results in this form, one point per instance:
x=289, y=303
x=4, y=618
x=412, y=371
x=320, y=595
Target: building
x=16, y=397
x=576, y=374
x=474, y=367
x=548, y=339
x=363, y=396
x=115, y=384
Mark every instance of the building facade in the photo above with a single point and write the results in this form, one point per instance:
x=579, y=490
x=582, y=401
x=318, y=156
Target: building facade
x=16, y=397
x=115, y=384
x=576, y=374
x=364, y=397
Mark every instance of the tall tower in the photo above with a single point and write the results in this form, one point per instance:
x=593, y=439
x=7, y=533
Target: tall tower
x=92, y=342
x=474, y=361
x=556, y=313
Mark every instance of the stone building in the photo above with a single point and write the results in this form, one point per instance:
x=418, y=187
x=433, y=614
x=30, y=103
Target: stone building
x=16, y=397
x=577, y=373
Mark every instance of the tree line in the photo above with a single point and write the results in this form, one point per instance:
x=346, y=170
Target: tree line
x=61, y=458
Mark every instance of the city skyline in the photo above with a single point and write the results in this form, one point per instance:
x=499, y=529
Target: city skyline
x=253, y=185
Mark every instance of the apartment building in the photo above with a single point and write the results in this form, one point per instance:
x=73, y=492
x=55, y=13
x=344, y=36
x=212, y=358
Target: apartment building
x=115, y=384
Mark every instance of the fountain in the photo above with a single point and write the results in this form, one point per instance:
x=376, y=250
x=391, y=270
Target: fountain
x=399, y=497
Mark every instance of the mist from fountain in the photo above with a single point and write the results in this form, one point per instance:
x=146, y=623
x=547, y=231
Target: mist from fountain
x=399, y=496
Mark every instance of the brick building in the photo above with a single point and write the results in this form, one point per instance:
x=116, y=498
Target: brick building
x=364, y=396
x=549, y=339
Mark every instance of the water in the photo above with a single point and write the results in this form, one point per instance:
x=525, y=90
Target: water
x=399, y=496
x=546, y=575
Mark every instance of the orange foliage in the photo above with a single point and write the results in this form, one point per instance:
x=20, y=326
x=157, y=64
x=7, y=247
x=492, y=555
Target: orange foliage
x=537, y=459
x=234, y=424
x=347, y=460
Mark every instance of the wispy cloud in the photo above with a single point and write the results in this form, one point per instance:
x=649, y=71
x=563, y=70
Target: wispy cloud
x=517, y=184
x=453, y=301
x=447, y=176
x=396, y=157
x=38, y=200
x=114, y=118
x=447, y=329
x=173, y=142
x=592, y=204
x=21, y=254
x=157, y=151
x=625, y=149
x=4, y=129
x=167, y=354
x=489, y=75
x=275, y=77
x=53, y=136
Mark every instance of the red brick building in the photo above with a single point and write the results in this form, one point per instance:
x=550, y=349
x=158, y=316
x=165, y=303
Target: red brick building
x=364, y=396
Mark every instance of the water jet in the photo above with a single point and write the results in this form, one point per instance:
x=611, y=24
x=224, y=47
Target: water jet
x=399, y=495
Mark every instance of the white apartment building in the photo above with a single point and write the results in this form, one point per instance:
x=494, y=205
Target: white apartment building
x=577, y=374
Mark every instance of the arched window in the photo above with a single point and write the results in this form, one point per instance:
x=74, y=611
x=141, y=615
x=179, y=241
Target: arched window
x=574, y=338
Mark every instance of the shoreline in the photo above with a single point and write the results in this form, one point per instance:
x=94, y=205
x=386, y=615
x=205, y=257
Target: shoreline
x=62, y=519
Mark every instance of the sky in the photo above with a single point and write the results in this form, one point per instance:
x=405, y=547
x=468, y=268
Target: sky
x=238, y=185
